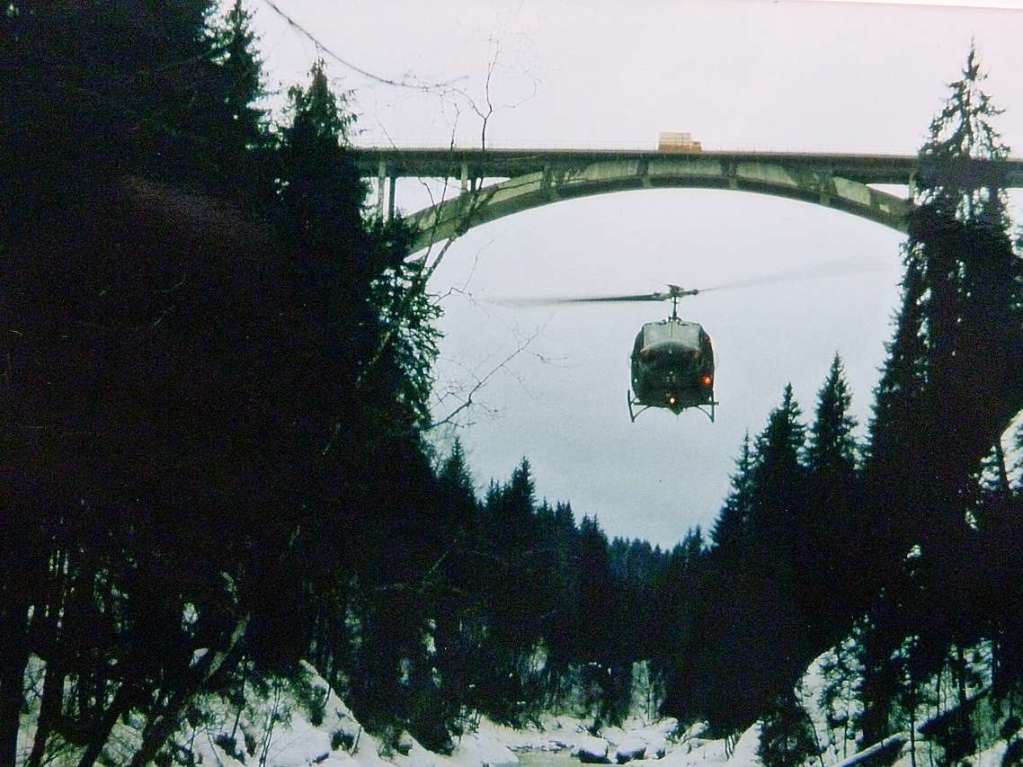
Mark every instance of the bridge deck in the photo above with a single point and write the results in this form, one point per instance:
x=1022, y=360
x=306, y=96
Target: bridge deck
x=446, y=162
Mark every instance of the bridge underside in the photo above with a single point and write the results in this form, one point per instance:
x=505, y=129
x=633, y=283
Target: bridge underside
x=531, y=190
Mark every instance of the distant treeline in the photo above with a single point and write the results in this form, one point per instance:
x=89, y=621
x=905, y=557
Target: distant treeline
x=215, y=371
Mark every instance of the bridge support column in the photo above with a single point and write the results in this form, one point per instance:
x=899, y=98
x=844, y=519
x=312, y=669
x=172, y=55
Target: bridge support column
x=465, y=175
x=548, y=184
x=381, y=188
x=732, y=173
x=911, y=187
x=390, y=197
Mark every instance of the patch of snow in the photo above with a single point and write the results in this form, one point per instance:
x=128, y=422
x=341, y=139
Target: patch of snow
x=591, y=750
x=482, y=749
x=631, y=747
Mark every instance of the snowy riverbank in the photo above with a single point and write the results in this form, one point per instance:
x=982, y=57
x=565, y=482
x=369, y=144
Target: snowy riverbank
x=302, y=723
x=280, y=730
x=338, y=740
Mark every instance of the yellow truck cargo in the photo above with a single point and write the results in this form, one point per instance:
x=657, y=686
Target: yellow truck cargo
x=669, y=141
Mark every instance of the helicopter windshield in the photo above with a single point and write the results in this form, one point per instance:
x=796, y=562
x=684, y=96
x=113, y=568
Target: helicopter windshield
x=687, y=333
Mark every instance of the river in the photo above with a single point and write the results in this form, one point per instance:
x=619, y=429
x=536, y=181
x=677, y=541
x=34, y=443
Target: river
x=547, y=759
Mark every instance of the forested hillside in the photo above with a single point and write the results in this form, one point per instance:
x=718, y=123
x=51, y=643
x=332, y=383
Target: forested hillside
x=216, y=365
x=902, y=551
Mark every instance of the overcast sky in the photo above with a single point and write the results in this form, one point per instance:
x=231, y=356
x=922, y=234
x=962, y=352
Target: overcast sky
x=738, y=75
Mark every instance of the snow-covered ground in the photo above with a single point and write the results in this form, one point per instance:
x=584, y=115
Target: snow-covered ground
x=339, y=740
x=297, y=725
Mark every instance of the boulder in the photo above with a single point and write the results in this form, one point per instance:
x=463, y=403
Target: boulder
x=591, y=750
x=630, y=748
x=656, y=747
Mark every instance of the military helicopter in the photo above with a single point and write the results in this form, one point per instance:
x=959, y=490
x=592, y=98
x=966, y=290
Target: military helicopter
x=672, y=359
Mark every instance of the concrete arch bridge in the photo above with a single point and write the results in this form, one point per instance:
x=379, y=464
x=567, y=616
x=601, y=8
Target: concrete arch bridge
x=528, y=178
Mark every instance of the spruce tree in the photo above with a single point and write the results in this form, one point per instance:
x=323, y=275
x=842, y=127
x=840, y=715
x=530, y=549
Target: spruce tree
x=732, y=524
x=787, y=737
x=831, y=453
x=898, y=438
x=729, y=674
x=779, y=477
x=958, y=237
x=971, y=329
x=595, y=650
x=829, y=550
x=244, y=144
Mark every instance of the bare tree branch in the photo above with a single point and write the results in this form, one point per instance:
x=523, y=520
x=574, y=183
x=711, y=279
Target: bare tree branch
x=480, y=383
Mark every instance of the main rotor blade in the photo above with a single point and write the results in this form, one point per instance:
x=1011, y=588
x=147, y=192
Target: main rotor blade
x=583, y=299
x=841, y=268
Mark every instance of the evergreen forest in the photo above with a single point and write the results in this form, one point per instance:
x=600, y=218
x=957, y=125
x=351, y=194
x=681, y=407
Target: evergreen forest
x=216, y=462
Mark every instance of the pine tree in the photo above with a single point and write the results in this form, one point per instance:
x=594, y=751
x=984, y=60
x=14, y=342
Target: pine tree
x=787, y=737
x=778, y=476
x=514, y=588
x=244, y=143
x=832, y=450
x=732, y=524
x=962, y=132
x=959, y=238
x=455, y=474
x=970, y=327
x=828, y=551
x=898, y=437
x=595, y=649
x=728, y=674
x=840, y=673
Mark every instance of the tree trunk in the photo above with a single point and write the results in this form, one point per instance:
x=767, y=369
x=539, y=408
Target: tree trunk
x=50, y=621
x=14, y=658
x=159, y=730
x=164, y=723
x=49, y=711
x=1004, y=489
x=101, y=734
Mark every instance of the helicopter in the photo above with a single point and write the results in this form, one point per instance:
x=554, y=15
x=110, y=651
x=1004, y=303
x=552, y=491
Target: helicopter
x=672, y=359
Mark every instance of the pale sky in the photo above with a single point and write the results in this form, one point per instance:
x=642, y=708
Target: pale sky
x=808, y=76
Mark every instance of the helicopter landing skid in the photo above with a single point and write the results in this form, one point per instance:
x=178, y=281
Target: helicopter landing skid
x=634, y=414
x=708, y=413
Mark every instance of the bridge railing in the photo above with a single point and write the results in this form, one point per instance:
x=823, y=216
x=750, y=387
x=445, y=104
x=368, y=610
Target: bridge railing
x=640, y=145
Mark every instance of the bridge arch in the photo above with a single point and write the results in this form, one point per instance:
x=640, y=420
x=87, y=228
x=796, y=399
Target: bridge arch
x=552, y=184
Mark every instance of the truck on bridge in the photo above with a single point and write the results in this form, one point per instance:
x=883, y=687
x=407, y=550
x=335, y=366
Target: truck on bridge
x=669, y=141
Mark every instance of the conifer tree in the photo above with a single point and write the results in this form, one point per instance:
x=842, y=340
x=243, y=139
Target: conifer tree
x=732, y=524
x=828, y=551
x=779, y=476
x=840, y=673
x=959, y=238
x=244, y=145
x=898, y=438
x=456, y=478
x=970, y=327
x=831, y=453
x=787, y=737
x=596, y=646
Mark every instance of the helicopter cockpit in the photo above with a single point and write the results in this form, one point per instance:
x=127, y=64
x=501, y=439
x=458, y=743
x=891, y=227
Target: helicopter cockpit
x=674, y=332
